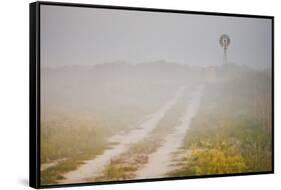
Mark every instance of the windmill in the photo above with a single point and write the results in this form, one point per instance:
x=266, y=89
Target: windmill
x=224, y=42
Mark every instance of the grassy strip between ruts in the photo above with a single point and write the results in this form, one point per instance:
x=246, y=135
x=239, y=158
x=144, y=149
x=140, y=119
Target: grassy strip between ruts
x=125, y=166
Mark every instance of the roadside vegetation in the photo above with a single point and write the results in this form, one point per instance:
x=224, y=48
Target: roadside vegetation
x=67, y=143
x=125, y=166
x=69, y=140
x=232, y=130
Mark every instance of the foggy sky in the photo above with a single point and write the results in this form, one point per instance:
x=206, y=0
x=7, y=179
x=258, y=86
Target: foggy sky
x=74, y=35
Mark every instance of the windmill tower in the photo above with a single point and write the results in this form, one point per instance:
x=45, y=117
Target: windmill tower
x=224, y=42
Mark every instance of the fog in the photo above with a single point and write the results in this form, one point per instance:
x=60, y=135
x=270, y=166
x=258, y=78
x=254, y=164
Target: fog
x=125, y=121
x=72, y=36
x=112, y=87
x=135, y=95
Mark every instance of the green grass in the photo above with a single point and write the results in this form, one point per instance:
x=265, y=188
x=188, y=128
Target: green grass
x=232, y=131
x=76, y=140
x=125, y=166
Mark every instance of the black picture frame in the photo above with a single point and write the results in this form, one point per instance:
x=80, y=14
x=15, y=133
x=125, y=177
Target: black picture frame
x=34, y=93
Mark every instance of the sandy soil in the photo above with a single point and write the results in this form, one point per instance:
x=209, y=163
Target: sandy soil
x=161, y=161
x=95, y=167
